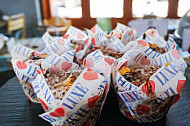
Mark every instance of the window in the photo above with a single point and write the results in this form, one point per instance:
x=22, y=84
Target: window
x=66, y=8
x=159, y=8
x=106, y=8
x=183, y=7
x=84, y=12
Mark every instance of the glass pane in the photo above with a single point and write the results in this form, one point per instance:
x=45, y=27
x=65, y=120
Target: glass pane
x=106, y=8
x=66, y=8
x=183, y=7
x=142, y=8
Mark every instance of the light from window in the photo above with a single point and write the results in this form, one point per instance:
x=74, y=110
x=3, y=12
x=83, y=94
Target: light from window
x=157, y=8
x=66, y=8
x=106, y=8
x=183, y=7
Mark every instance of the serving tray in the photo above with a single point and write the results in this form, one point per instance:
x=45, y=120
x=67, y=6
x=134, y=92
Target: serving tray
x=17, y=110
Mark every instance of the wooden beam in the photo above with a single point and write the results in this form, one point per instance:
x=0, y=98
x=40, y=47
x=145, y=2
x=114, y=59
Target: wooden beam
x=46, y=10
x=172, y=8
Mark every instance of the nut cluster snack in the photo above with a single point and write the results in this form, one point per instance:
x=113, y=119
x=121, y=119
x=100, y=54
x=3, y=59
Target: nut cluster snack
x=35, y=58
x=138, y=75
x=112, y=53
x=155, y=47
x=60, y=82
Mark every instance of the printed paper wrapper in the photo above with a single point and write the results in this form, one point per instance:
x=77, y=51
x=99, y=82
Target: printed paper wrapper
x=81, y=105
x=98, y=38
x=151, y=36
x=60, y=46
x=137, y=103
x=143, y=45
x=63, y=44
x=126, y=34
x=26, y=71
x=94, y=30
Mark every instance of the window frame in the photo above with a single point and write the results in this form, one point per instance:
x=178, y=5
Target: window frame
x=88, y=22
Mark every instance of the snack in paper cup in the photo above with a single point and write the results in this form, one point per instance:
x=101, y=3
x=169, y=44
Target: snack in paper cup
x=156, y=43
x=146, y=91
x=72, y=97
x=151, y=50
x=25, y=62
x=124, y=33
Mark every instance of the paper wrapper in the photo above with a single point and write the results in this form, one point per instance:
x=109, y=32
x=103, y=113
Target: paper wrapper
x=82, y=104
x=126, y=34
x=60, y=46
x=151, y=36
x=143, y=45
x=94, y=30
x=143, y=106
x=98, y=38
x=26, y=71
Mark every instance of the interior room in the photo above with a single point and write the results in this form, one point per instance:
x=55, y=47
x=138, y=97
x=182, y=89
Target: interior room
x=94, y=62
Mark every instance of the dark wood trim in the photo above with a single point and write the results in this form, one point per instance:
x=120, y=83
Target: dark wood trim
x=46, y=10
x=172, y=8
x=87, y=22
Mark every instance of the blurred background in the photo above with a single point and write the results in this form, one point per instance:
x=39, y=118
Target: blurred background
x=25, y=21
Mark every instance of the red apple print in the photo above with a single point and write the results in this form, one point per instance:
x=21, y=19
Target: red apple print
x=21, y=65
x=142, y=109
x=79, y=47
x=106, y=86
x=66, y=65
x=38, y=71
x=117, y=35
x=131, y=32
x=177, y=97
x=59, y=112
x=143, y=43
x=65, y=36
x=28, y=98
x=180, y=85
x=175, y=53
x=80, y=35
x=89, y=62
x=43, y=104
x=151, y=33
x=174, y=47
x=148, y=88
x=93, y=41
x=92, y=101
x=128, y=115
x=90, y=75
x=86, y=41
x=61, y=41
x=144, y=61
x=108, y=60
